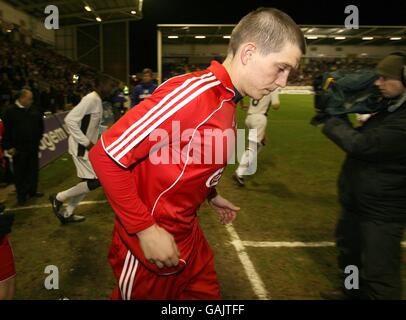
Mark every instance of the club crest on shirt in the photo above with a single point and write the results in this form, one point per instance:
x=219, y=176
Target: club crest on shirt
x=214, y=178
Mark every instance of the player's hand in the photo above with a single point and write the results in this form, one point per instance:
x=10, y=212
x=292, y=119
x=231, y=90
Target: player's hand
x=12, y=152
x=276, y=106
x=159, y=246
x=225, y=209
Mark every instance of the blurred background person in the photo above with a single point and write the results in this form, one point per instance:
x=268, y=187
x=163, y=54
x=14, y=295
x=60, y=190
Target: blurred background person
x=24, y=127
x=257, y=118
x=84, y=123
x=118, y=99
x=144, y=89
x=372, y=189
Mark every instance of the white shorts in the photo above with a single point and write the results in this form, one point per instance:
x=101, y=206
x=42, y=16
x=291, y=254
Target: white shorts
x=84, y=168
x=256, y=121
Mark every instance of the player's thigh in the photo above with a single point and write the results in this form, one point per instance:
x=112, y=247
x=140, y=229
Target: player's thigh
x=204, y=287
x=134, y=281
x=203, y=283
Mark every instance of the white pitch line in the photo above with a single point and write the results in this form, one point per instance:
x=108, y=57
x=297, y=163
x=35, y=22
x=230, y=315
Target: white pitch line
x=293, y=244
x=287, y=244
x=252, y=275
x=39, y=206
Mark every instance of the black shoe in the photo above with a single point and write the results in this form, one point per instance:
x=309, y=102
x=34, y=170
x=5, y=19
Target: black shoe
x=37, y=195
x=238, y=179
x=21, y=202
x=56, y=207
x=73, y=219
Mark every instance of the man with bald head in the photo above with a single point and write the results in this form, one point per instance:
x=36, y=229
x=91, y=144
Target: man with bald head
x=23, y=132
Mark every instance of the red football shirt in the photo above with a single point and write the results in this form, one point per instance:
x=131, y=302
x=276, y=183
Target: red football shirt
x=158, y=163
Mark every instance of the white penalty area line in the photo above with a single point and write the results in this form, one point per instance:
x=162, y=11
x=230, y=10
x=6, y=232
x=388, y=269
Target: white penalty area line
x=293, y=244
x=252, y=275
x=39, y=206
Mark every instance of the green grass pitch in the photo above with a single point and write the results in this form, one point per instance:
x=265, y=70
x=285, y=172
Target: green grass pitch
x=291, y=198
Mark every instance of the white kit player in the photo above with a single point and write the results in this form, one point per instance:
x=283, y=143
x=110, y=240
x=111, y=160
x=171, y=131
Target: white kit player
x=84, y=125
x=256, y=119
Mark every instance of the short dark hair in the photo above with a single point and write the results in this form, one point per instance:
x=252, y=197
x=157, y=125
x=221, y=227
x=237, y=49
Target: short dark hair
x=102, y=79
x=147, y=70
x=269, y=28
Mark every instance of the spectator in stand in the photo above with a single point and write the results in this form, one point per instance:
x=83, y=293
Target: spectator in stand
x=118, y=99
x=144, y=89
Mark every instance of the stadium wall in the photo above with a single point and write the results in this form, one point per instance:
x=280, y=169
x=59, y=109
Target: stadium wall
x=104, y=47
x=54, y=142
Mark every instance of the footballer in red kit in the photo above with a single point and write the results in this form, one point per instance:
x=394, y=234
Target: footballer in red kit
x=164, y=158
x=168, y=193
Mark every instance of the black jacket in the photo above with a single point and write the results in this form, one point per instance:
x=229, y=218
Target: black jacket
x=372, y=181
x=23, y=129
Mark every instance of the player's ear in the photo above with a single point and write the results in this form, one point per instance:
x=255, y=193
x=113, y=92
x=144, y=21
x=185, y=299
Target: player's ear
x=247, y=50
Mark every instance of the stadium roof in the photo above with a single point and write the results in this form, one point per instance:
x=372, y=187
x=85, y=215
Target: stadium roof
x=79, y=12
x=315, y=35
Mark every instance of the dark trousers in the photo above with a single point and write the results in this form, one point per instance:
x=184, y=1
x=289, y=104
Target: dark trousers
x=26, y=168
x=375, y=248
x=118, y=111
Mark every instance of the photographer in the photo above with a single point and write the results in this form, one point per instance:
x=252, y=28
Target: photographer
x=372, y=188
x=7, y=267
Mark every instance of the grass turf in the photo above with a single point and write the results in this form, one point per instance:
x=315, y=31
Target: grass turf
x=291, y=198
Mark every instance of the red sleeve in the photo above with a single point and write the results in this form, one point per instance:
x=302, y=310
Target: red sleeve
x=120, y=189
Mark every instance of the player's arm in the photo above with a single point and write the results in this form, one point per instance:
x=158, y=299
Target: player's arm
x=226, y=210
x=383, y=143
x=113, y=159
x=121, y=191
x=74, y=119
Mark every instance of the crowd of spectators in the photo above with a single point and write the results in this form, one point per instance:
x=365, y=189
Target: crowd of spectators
x=309, y=68
x=51, y=77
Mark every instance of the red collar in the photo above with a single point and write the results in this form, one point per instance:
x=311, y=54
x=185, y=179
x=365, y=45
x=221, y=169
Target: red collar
x=221, y=73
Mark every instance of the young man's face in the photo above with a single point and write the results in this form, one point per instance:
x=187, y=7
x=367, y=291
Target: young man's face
x=265, y=73
x=390, y=88
x=146, y=77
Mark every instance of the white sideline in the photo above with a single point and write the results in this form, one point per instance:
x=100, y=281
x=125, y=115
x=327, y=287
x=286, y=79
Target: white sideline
x=287, y=244
x=39, y=206
x=252, y=275
x=293, y=244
